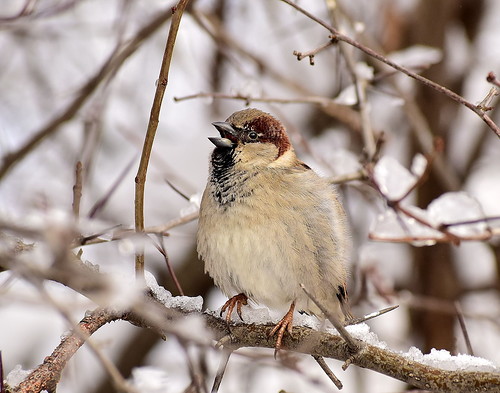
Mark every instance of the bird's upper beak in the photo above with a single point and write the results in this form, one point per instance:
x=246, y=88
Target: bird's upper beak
x=228, y=135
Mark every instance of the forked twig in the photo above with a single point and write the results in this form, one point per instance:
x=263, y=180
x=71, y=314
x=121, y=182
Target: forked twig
x=370, y=52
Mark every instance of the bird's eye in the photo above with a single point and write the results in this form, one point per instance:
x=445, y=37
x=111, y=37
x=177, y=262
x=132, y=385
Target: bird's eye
x=253, y=135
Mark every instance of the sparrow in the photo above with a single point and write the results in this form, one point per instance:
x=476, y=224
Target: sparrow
x=268, y=223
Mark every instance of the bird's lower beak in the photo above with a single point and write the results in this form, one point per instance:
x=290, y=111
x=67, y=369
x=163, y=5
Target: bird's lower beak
x=221, y=142
x=228, y=135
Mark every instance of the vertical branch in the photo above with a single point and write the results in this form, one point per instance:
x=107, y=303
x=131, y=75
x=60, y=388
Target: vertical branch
x=154, y=116
x=77, y=190
x=359, y=84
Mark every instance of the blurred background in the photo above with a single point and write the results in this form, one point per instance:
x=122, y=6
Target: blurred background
x=81, y=75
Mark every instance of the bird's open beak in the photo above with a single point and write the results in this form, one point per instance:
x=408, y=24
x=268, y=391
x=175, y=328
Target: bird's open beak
x=228, y=135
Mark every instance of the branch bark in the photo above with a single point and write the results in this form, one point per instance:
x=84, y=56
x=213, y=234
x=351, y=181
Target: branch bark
x=305, y=340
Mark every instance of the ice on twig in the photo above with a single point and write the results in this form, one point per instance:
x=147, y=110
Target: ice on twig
x=194, y=205
x=418, y=165
x=184, y=303
x=455, y=207
x=393, y=179
x=417, y=56
x=444, y=360
x=347, y=96
x=390, y=225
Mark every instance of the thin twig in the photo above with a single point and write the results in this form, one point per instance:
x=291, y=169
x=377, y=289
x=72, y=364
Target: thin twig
x=224, y=360
x=77, y=190
x=370, y=52
x=324, y=101
x=492, y=78
x=140, y=180
x=461, y=321
x=321, y=361
x=372, y=315
x=313, y=52
x=161, y=248
x=176, y=189
x=2, y=387
x=360, y=85
x=115, y=60
x=351, y=343
x=101, y=203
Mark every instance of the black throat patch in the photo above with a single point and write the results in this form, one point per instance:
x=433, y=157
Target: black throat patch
x=228, y=184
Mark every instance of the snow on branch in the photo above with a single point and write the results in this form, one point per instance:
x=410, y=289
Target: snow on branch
x=158, y=310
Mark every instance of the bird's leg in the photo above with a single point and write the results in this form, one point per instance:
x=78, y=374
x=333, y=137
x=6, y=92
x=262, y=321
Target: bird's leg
x=284, y=325
x=236, y=301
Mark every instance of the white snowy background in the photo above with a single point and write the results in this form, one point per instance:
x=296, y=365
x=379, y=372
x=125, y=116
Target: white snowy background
x=45, y=59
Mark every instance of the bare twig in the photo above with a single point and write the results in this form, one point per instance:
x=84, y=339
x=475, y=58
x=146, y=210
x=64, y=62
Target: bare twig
x=486, y=103
x=372, y=315
x=140, y=180
x=461, y=320
x=313, y=52
x=77, y=190
x=370, y=52
x=224, y=360
x=323, y=101
x=492, y=78
x=2, y=387
x=100, y=203
x=360, y=85
x=353, y=345
x=114, y=61
x=321, y=361
x=161, y=248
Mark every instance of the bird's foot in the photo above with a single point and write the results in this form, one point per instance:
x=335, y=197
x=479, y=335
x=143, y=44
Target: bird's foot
x=236, y=301
x=284, y=325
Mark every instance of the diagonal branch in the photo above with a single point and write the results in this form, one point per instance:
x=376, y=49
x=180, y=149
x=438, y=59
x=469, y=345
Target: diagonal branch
x=337, y=35
x=110, y=66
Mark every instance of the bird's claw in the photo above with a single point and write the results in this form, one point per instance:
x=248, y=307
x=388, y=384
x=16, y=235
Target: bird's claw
x=237, y=301
x=285, y=324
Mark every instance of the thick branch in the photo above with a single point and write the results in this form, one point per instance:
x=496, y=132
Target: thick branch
x=47, y=375
x=304, y=340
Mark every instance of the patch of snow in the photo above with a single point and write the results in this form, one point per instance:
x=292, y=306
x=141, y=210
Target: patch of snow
x=455, y=207
x=150, y=380
x=417, y=56
x=393, y=179
x=16, y=376
x=185, y=303
x=362, y=332
x=444, y=360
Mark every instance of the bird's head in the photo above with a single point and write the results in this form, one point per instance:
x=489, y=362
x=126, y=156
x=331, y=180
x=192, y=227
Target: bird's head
x=256, y=137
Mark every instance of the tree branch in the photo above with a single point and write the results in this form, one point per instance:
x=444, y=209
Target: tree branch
x=113, y=63
x=337, y=35
x=140, y=179
x=305, y=340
